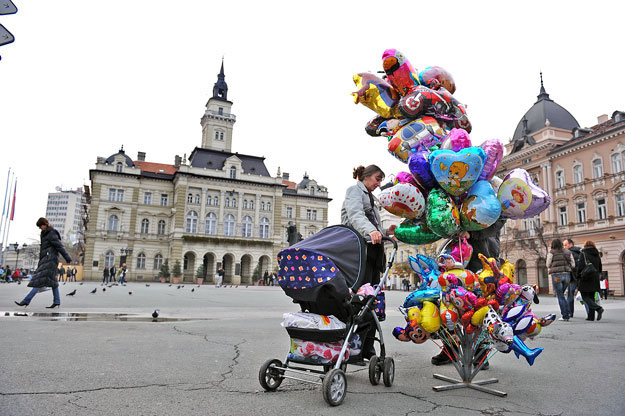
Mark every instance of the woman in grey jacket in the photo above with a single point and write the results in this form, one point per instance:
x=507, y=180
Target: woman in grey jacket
x=560, y=264
x=360, y=213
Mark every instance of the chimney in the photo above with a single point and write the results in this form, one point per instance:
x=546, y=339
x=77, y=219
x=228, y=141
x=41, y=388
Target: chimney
x=141, y=156
x=602, y=118
x=177, y=161
x=285, y=176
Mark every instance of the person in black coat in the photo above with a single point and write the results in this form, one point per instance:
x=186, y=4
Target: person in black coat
x=45, y=275
x=106, y=274
x=588, y=285
x=576, y=252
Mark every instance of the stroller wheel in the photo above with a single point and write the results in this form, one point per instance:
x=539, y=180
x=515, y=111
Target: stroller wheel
x=270, y=376
x=374, y=370
x=334, y=387
x=388, y=374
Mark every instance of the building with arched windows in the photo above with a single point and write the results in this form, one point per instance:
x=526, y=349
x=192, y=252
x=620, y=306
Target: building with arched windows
x=583, y=171
x=218, y=208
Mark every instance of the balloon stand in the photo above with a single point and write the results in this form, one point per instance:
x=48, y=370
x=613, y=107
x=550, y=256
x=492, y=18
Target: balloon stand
x=468, y=358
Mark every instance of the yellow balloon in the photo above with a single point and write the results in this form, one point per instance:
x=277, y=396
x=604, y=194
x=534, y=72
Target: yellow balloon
x=414, y=314
x=430, y=317
x=478, y=316
x=508, y=270
x=376, y=94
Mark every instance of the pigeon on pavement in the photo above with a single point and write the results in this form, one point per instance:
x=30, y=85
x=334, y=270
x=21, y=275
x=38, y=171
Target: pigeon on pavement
x=155, y=313
x=130, y=293
x=193, y=290
x=95, y=289
x=72, y=293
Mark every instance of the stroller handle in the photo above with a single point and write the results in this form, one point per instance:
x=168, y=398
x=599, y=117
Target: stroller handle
x=384, y=238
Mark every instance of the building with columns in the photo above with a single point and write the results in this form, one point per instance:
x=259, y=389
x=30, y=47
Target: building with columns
x=583, y=170
x=218, y=208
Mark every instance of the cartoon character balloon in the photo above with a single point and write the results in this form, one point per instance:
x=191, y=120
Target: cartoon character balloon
x=456, y=172
x=520, y=197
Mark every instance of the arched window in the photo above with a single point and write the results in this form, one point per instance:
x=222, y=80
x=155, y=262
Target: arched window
x=109, y=259
x=113, y=223
x=262, y=206
x=578, y=174
x=158, y=262
x=216, y=201
x=216, y=135
x=209, y=199
x=191, y=226
x=221, y=135
x=264, y=228
x=162, y=227
x=197, y=198
x=597, y=168
x=559, y=179
x=229, y=225
x=251, y=204
x=190, y=198
x=227, y=202
x=119, y=167
x=617, y=165
x=141, y=261
x=211, y=223
x=245, y=204
x=268, y=206
x=145, y=226
x=233, y=172
x=234, y=202
x=246, y=230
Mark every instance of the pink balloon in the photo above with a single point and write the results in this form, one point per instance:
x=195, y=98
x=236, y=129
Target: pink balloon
x=457, y=139
x=494, y=152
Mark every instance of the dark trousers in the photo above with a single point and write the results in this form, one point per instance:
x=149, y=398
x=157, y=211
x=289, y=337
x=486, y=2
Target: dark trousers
x=604, y=293
x=589, y=300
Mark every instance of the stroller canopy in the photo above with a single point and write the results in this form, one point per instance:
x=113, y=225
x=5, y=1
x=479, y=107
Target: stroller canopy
x=331, y=262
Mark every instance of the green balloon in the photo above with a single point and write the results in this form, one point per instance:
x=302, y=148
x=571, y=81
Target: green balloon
x=412, y=232
x=442, y=215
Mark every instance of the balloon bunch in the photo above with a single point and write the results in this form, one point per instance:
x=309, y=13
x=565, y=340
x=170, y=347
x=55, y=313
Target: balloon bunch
x=451, y=298
x=450, y=186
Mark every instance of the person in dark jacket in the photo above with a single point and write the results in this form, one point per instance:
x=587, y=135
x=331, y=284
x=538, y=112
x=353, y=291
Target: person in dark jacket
x=589, y=285
x=570, y=296
x=105, y=275
x=45, y=275
x=561, y=265
x=61, y=273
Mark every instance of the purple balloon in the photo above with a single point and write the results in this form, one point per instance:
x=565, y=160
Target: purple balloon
x=420, y=169
x=494, y=152
x=520, y=197
x=457, y=140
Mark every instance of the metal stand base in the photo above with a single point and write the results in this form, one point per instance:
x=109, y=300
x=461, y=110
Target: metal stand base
x=475, y=385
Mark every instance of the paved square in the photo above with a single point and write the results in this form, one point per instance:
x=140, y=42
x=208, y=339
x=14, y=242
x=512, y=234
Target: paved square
x=115, y=361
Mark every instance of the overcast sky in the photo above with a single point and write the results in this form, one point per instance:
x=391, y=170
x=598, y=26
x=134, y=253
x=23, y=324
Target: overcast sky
x=84, y=77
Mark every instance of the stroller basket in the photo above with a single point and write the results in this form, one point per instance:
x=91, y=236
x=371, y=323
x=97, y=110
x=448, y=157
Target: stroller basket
x=308, y=334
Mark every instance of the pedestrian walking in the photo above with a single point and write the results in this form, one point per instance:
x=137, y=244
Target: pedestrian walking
x=74, y=273
x=588, y=272
x=570, y=296
x=61, y=273
x=122, y=273
x=560, y=264
x=113, y=273
x=106, y=274
x=45, y=275
x=220, y=276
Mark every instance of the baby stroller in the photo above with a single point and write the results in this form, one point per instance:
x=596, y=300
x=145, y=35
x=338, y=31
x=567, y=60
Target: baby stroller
x=318, y=274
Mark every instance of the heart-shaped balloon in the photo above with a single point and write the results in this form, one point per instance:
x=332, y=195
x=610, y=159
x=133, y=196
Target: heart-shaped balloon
x=481, y=208
x=520, y=197
x=456, y=172
x=457, y=139
x=414, y=232
x=404, y=200
x=420, y=169
x=441, y=213
x=494, y=152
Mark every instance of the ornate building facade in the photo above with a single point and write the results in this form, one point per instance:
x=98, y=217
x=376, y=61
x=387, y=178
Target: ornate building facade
x=218, y=208
x=583, y=170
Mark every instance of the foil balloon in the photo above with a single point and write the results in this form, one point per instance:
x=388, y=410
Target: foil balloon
x=422, y=134
x=440, y=104
x=404, y=177
x=404, y=200
x=494, y=152
x=481, y=208
x=376, y=94
x=496, y=182
x=456, y=172
x=508, y=270
x=432, y=76
x=413, y=232
x=420, y=169
x=520, y=197
x=442, y=215
x=417, y=297
x=449, y=316
x=461, y=251
x=429, y=318
x=456, y=140
x=399, y=71
x=520, y=348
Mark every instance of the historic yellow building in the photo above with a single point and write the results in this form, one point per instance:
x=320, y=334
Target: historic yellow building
x=218, y=208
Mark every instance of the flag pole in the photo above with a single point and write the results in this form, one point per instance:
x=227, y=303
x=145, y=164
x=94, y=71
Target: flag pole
x=6, y=191
x=8, y=222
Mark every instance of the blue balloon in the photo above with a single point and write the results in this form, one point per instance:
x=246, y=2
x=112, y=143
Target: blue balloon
x=481, y=208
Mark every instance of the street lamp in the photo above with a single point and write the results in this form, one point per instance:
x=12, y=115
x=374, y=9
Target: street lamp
x=126, y=251
x=16, y=247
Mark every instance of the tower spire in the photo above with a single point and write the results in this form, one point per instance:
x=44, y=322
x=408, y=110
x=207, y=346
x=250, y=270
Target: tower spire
x=543, y=93
x=220, y=90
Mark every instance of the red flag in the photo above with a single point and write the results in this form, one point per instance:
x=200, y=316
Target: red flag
x=13, y=205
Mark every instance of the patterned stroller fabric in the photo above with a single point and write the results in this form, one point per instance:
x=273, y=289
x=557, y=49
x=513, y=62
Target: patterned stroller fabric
x=324, y=266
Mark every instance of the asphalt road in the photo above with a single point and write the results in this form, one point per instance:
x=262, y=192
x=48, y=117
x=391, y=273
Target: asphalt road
x=202, y=358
